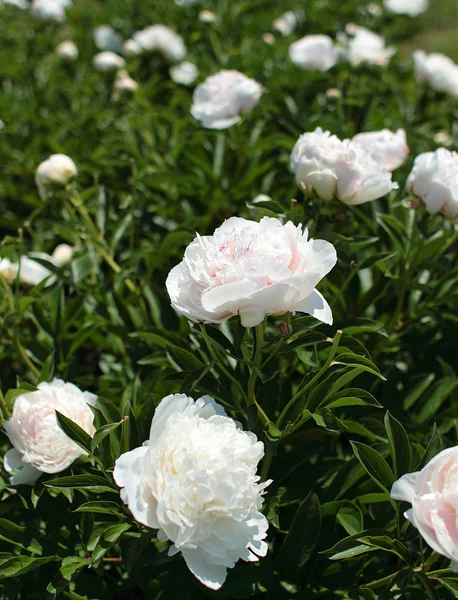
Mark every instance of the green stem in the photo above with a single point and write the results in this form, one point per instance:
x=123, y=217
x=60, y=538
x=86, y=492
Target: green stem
x=218, y=361
x=256, y=366
x=430, y=561
x=3, y=407
x=274, y=351
x=324, y=368
x=266, y=464
x=24, y=356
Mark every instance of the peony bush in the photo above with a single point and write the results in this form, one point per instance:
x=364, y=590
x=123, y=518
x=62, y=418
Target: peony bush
x=229, y=298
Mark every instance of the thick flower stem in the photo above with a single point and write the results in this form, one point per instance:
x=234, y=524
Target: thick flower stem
x=256, y=366
x=324, y=368
x=3, y=407
x=217, y=360
x=95, y=239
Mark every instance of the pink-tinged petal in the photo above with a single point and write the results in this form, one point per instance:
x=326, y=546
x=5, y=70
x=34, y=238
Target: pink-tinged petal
x=404, y=488
x=211, y=575
x=223, y=297
x=26, y=475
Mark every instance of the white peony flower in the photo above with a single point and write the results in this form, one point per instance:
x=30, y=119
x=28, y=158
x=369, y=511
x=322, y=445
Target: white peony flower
x=40, y=446
x=107, y=38
x=195, y=481
x=124, y=84
x=341, y=169
x=63, y=254
x=32, y=272
x=67, y=51
x=252, y=270
x=314, y=53
x=388, y=149
x=433, y=494
x=285, y=24
x=22, y=4
x=185, y=73
x=49, y=10
x=159, y=38
x=437, y=70
x=57, y=171
x=221, y=99
x=107, y=62
x=365, y=46
x=434, y=180
x=131, y=48
x=207, y=16
x=269, y=38
x=406, y=7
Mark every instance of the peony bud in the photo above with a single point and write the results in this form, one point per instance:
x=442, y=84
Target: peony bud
x=67, y=51
x=63, y=254
x=433, y=180
x=107, y=62
x=40, y=446
x=195, y=481
x=314, y=53
x=185, y=73
x=207, y=16
x=57, y=171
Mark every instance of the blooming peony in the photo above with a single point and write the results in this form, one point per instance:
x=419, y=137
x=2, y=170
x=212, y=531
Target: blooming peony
x=388, y=149
x=185, y=73
x=221, y=99
x=32, y=272
x=67, y=51
x=341, y=169
x=159, y=38
x=434, y=179
x=437, y=70
x=49, y=10
x=365, y=46
x=285, y=24
x=57, y=171
x=406, y=7
x=207, y=16
x=314, y=53
x=40, y=446
x=433, y=494
x=131, y=48
x=107, y=38
x=107, y=62
x=251, y=269
x=195, y=481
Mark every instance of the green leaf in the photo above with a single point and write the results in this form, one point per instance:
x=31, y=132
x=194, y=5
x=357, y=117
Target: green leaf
x=101, y=507
x=23, y=537
x=399, y=446
x=192, y=379
x=435, y=446
x=104, y=431
x=350, y=397
x=91, y=483
x=450, y=584
x=359, y=362
x=299, y=545
x=375, y=465
x=74, y=432
x=47, y=372
x=417, y=391
x=18, y=565
x=439, y=395
x=323, y=417
x=108, y=539
x=365, y=326
x=350, y=517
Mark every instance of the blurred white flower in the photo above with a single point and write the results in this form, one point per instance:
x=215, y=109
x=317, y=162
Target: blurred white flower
x=107, y=62
x=433, y=492
x=131, y=48
x=124, y=85
x=57, y=171
x=207, y=16
x=252, y=270
x=221, y=99
x=40, y=446
x=388, y=149
x=23, y=4
x=374, y=9
x=406, y=7
x=195, y=481
x=107, y=38
x=434, y=180
x=185, y=73
x=314, y=53
x=365, y=46
x=437, y=70
x=341, y=169
x=63, y=254
x=67, y=51
x=186, y=3
x=159, y=38
x=269, y=38
x=443, y=138
x=261, y=198
x=333, y=94
x=285, y=24
x=49, y=10
x=2, y=125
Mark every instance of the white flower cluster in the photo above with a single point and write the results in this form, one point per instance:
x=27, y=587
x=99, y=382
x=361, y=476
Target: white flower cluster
x=50, y=10
x=438, y=71
x=412, y=8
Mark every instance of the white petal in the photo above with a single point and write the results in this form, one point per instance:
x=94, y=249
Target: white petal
x=404, y=488
x=252, y=317
x=211, y=575
x=222, y=297
x=27, y=474
x=316, y=306
x=168, y=405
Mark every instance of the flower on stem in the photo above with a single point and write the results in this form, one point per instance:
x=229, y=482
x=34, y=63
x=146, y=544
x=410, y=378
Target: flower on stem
x=40, y=446
x=314, y=53
x=433, y=494
x=362, y=46
x=437, y=70
x=57, y=171
x=434, y=180
x=67, y=51
x=388, y=149
x=159, y=38
x=252, y=270
x=222, y=99
x=342, y=169
x=107, y=62
x=195, y=481
x=32, y=272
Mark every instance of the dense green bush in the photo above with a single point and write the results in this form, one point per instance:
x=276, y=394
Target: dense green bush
x=343, y=410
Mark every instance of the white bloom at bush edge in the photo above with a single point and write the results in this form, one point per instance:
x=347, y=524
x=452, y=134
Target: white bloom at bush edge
x=251, y=269
x=285, y=24
x=314, y=53
x=432, y=492
x=32, y=272
x=195, y=481
x=67, y=51
x=437, y=70
x=406, y=7
x=58, y=170
x=107, y=61
x=434, y=179
x=389, y=149
x=107, y=38
x=341, y=169
x=221, y=99
x=40, y=446
x=365, y=46
x=161, y=39
x=185, y=73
